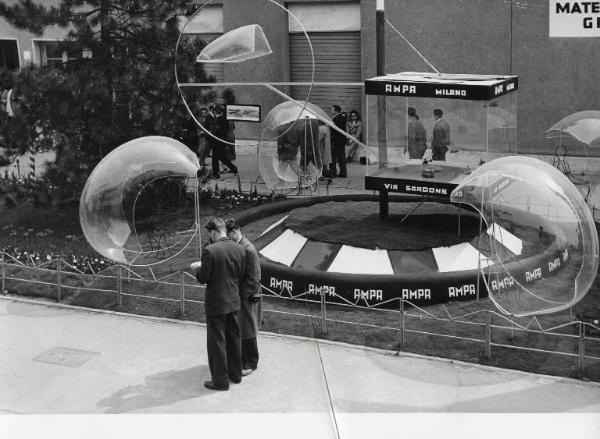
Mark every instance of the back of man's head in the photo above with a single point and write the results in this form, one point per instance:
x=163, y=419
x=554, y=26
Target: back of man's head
x=231, y=224
x=437, y=112
x=337, y=108
x=216, y=225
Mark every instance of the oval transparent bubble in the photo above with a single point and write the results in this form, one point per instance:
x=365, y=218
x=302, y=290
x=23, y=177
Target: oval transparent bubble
x=138, y=206
x=540, y=242
x=294, y=159
x=219, y=69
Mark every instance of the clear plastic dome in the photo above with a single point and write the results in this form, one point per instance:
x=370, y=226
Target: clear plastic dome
x=138, y=205
x=240, y=44
x=542, y=244
x=289, y=153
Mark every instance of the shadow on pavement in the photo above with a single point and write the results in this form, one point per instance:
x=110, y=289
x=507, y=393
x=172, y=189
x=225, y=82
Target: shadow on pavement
x=160, y=389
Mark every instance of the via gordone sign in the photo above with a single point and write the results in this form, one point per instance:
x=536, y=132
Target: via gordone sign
x=574, y=19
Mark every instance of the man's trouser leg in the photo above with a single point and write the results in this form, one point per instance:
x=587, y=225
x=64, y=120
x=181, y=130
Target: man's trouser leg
x=249, y=353
x=234, y=347
x=216, y=346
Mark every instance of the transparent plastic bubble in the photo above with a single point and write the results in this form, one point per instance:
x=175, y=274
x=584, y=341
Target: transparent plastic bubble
x=138, y=206
x=241, y=44
x=583, y=127
x=541, y=241
x=222, y=76
x=294, y=159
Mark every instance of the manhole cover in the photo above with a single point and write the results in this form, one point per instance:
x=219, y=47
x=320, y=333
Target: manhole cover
x=65, y=356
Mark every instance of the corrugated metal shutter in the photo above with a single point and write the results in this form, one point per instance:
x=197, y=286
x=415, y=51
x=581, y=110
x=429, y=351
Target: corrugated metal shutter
x=216, y=70
x=337, y=59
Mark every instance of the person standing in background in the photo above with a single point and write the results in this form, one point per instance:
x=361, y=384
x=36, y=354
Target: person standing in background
x=251, y=307
x=338, y=143
x=441, y=136
x=354, y=128
x=416, y=135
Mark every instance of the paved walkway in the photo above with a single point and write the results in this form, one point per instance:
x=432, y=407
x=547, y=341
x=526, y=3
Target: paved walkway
x=57, y=359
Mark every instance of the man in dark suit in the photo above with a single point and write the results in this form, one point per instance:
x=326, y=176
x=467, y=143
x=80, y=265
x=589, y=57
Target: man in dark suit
x=222, y=269
x=219, y=148
x=250, y=314
x=441, y=136
x=338, y=142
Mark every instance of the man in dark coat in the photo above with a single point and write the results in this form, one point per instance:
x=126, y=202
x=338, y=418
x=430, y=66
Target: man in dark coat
x=441, y=136
x=219, y=147
x=338, y=142
x=250, y=314
x=222, y=269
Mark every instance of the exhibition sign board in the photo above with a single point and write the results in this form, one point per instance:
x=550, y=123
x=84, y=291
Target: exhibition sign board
x=574, y=19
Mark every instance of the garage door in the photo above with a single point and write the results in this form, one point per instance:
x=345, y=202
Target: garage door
x=337, y=59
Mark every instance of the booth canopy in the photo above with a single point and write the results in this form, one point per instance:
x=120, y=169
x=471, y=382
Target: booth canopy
x=447, y=86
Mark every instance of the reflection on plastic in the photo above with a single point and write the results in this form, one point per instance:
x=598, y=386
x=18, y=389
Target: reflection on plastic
x=113, y=200
x=543, y=241
x=290, y=151
x=241, y=44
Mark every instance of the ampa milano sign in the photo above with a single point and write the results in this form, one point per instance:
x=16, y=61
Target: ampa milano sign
x=574, y=19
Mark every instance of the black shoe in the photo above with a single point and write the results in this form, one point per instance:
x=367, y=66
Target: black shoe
x=236, y=380
x=210, y=385
x=248, y=371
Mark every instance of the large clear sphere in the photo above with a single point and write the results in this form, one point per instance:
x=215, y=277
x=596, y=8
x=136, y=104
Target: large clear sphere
x=291, y=147
x=138, y=205
x=542, y=244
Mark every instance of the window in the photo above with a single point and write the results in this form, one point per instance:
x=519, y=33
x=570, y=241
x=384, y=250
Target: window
x=53, y=52
x=9, y=55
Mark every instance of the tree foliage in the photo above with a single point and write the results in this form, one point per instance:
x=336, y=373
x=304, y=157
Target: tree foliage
x=88, y=106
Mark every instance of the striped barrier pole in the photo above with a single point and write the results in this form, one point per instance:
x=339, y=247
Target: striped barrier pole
x=32, y=162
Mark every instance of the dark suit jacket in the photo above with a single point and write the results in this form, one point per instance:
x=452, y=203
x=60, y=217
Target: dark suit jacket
x=251, y=284
x=222, y=270
x=339, y=121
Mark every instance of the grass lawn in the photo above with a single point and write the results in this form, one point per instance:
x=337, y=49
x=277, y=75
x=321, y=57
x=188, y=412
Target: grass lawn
x=377, y=328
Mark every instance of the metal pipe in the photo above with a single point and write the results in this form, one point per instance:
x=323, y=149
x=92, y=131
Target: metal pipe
x=402, y=322
x=120, y=287
x=3, y=269
x=182, y=293
x=58, y=280
x=488, y=335
x=581, y=359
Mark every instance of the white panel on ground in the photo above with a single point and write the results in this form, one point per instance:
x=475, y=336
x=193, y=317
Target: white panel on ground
x=506, y=238
x=361, y=261
x=459, y=257
x=272, y=226
x=285, y=247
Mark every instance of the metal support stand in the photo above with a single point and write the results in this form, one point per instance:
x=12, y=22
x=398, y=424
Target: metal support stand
x=581, y=359
x=324, y=312
x=3, y=269
x=402, y=323
x=488, y=335
x=120, y=287
x=58, y=280
x=182, y=293
x=384, y=207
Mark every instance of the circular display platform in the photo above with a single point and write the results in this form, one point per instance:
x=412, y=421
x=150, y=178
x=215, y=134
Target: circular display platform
x=338, y=247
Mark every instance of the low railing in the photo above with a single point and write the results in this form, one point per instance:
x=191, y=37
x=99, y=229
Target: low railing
x=405, y=311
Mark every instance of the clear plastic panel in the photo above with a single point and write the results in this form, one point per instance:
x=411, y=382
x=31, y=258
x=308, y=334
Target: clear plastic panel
x=442, y=133
x=214, y=70
x=542, y=242
x=138, y=205
x=240, y=44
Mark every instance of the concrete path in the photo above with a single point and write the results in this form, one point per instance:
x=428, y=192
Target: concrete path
x=56, y=359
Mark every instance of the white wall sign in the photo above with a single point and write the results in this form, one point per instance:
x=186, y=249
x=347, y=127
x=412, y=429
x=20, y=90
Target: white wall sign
x=574, y=19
